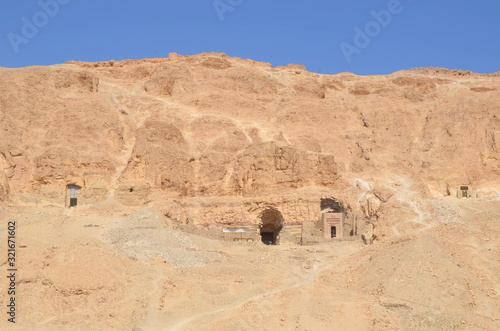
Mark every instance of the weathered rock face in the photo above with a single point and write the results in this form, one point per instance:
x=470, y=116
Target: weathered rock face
x=132, y=193
x=210, y=126
x=56, y=128
x=4, y=187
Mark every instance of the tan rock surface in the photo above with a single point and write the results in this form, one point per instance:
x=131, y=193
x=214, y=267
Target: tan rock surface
x=196, y=143
x=210, y=125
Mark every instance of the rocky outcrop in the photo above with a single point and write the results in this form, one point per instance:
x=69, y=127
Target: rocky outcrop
x=214, y=127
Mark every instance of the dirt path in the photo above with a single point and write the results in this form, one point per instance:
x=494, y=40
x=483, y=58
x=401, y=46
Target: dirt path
x=314, y=271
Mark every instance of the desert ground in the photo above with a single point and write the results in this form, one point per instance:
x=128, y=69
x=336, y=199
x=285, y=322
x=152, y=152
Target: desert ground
x=116, y=269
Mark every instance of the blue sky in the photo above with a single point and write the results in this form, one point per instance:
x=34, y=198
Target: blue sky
x=365, y=37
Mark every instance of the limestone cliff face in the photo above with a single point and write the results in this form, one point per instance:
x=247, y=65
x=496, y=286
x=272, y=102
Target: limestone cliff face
x=210, y=126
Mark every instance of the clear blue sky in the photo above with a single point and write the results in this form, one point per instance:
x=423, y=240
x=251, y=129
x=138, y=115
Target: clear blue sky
x=456, y=34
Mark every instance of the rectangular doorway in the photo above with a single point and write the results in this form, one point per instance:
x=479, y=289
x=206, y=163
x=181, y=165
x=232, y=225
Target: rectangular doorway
x=465, y=191
x=332, y=225
x=333, y=232
x=268, y=238
x=73, y=195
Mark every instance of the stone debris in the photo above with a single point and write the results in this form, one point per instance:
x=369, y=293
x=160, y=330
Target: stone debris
x=143, y=235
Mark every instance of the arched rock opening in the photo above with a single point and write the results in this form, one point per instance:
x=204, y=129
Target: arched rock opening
x=331, y=206
x=271, y=223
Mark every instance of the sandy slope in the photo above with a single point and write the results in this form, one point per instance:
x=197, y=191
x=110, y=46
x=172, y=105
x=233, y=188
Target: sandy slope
x=129, y=272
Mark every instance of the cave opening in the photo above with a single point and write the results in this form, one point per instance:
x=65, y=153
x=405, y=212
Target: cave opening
x=271, y=223
x=329, y=205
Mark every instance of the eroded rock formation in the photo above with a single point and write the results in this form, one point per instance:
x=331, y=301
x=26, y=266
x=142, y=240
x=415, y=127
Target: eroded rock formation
x=214, y=139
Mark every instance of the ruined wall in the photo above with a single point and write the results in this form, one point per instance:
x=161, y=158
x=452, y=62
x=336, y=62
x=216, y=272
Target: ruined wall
x=291, y=234
x=294, y=210
x=311, y=233
x=90, y=193
x=228, y=211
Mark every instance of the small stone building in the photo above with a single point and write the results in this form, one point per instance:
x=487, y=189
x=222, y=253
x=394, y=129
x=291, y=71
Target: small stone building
x=333, y=225
x=465, y=192
x=241, y=234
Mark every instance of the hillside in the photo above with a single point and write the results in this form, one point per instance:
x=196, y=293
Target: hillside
x=163, y=154
x=212, y=126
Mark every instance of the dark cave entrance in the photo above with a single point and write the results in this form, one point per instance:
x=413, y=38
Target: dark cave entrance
x=333, y=232
x=331, y=206
x=271, y=225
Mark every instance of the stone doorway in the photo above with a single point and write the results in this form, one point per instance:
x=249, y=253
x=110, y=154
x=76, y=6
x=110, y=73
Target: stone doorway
x=464, y=192
x=333, y=232
x=73, y=195
x=332, y=218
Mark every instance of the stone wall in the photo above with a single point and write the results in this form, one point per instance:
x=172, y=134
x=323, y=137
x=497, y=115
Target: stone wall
x=291, y=234
x=231, y=211
x=301, y=216
x=90, y=193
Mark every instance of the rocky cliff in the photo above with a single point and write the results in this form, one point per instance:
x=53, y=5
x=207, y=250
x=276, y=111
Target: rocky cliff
x=195, y=134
